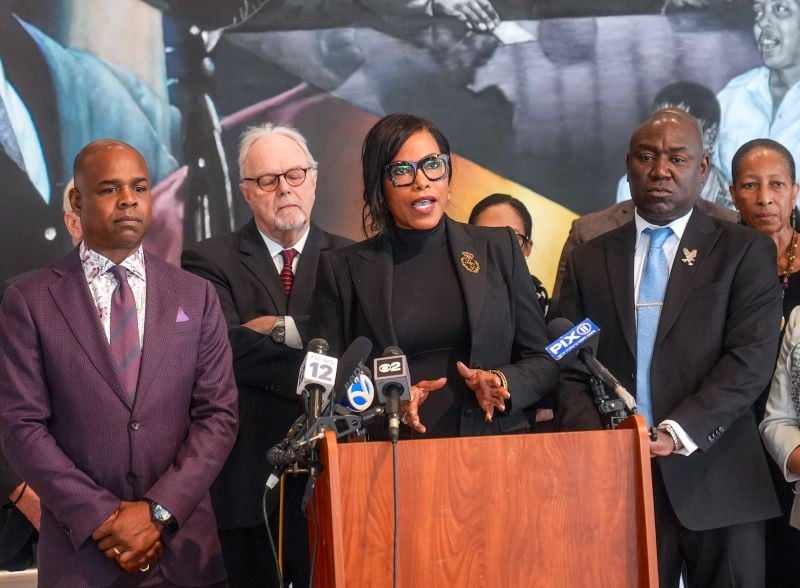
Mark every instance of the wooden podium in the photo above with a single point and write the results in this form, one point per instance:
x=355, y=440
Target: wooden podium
x=550, y=510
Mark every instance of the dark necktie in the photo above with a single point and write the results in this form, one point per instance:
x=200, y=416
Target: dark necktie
x=287, y=275
x=124, y=337
x=648, y=312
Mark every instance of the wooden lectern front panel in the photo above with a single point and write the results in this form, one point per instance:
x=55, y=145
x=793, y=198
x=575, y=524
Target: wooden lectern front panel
x=521, y=510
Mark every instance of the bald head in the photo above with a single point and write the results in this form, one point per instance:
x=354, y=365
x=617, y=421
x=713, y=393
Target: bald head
x=112, y=197
x=670, y=116
x=85, y=157
x=667, y=165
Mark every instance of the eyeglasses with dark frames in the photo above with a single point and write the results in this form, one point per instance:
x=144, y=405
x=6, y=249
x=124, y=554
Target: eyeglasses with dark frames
x=403, y=173
x=522, y=239
x=269, y=182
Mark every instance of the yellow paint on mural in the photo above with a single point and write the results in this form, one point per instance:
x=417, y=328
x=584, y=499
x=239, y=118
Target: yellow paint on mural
x=551, y=221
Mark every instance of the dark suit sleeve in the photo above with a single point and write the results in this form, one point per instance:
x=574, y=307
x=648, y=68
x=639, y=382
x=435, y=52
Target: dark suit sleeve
x=532, y=373
x=576, y=410
x=253, y=353
x=75, y=499
x=328, y=314
x=214, y=421
x=573, y=240
x=750, y=346
x=9, y=478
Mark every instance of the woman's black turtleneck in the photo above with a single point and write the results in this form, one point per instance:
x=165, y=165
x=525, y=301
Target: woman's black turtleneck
x=430, y=321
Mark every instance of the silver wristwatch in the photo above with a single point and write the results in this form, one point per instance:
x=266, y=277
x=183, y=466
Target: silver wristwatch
x=676, y=442
x=159, y=514
x=278, y=332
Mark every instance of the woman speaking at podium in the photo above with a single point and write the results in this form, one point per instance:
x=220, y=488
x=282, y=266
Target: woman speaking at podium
x=456, y=299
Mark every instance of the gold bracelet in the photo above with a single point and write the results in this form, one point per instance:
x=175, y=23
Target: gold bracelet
x=502, y=376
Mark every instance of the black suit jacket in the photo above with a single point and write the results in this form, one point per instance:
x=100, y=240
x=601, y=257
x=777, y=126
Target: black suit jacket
x=244, y=275
x=353, y=298
x=715, y=351
x=17, y=535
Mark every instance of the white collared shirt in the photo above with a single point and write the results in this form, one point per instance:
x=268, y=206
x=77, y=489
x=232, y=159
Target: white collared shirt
x=292, y=338
x=678, y=227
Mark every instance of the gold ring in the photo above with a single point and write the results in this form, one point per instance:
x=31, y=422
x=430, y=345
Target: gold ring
x=146, y=568
x=117, y=551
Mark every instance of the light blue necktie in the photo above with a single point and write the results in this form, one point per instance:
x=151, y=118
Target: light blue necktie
x=648, y=311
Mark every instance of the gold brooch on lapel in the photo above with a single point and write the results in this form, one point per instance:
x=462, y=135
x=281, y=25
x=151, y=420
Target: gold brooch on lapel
x=689, y=256
x=469, y=262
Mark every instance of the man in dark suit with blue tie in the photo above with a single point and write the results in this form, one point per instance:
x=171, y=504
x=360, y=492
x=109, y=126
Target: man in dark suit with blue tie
x=117, y=398
x=689, y=308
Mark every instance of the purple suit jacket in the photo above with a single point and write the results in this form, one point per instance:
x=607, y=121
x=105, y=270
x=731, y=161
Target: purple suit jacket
x=69, y=430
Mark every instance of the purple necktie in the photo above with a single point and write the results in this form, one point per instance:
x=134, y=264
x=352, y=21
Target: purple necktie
x=287, y=275
x=124, y=339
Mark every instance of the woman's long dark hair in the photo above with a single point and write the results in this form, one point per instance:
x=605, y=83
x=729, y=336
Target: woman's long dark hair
x=381, y=144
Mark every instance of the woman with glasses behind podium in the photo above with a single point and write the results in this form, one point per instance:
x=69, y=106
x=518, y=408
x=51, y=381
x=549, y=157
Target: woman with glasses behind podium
x=456, y=299
x=503, y=210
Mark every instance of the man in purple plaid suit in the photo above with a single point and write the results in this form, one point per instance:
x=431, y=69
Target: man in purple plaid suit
x=117, y=398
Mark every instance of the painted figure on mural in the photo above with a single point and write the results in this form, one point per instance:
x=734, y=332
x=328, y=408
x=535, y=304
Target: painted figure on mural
x=701, y=103
x=764, y=102
x=53, y=100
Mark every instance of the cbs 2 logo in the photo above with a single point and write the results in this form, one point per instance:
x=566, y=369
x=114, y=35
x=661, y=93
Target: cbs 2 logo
x=390, y=367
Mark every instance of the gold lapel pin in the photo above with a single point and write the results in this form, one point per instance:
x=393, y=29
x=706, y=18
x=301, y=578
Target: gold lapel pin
x=469, y=262
x=690, y=255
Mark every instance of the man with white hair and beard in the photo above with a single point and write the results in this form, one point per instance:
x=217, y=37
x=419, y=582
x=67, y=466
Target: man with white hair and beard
x=264, y=275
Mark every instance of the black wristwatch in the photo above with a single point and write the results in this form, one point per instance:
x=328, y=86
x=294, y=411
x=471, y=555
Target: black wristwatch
x=159, y=514
x=278, y=332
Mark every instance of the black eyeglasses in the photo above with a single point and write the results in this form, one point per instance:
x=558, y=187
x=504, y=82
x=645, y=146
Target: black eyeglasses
x=269, y=182
x=522, y=239
x=403, y=173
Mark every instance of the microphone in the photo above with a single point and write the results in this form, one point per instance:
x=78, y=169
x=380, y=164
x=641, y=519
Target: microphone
x=393, y=385
x=359, y=394
x=577, y=342
x=351, y=366
x=317, y=376
x=284, y=456
x=599, y=371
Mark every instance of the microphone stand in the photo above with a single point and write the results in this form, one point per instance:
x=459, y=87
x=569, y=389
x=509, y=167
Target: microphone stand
x=612, y=410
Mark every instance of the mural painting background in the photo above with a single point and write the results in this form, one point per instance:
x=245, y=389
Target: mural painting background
x=546, y=119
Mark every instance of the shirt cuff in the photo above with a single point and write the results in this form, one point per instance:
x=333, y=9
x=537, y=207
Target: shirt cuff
x=689, y=446
x=292, y=337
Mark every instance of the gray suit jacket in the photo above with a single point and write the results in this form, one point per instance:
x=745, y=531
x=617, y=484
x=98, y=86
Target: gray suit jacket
x=781, y=425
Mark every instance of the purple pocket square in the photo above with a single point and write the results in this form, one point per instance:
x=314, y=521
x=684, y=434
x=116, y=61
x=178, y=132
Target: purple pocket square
x=182, y=316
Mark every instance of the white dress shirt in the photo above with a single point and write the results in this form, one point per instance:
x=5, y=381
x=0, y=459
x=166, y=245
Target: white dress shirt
x=292, y=338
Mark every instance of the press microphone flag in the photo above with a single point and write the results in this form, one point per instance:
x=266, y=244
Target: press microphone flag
x=572, y=339
x=317, y=369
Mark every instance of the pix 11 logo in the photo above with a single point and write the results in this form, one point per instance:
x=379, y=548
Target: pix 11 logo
x=572, y=339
